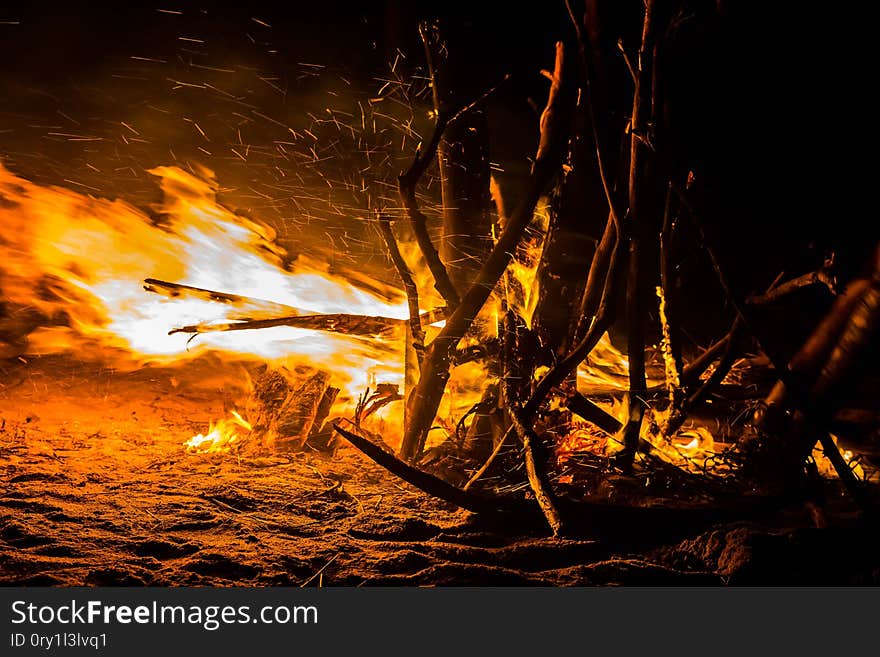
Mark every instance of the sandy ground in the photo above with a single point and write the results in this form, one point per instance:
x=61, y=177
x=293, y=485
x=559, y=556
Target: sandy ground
x=97, y=489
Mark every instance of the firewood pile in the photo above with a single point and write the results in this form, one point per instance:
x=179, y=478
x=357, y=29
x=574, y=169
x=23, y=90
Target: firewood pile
x=604, y=150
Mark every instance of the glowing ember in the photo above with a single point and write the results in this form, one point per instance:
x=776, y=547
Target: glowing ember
x=584, y=438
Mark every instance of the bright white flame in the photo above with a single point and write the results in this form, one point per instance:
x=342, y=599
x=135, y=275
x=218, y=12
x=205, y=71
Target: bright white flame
x=83, y=260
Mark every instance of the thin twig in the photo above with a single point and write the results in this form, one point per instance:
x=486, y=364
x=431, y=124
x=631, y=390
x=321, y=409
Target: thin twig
x=320, y=571
x=591, y=89
x=408, y=180
x=488, y=464
x=628, y=62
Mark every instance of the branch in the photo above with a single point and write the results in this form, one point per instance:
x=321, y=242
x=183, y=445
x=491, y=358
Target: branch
x=538, y=480
x=593, y=99
x=408, y=181
x=409, y=285
x=333, y=323
x=422, y=480
x=419, y=224
x=643, y=101
x=628, y=62
x=592, y=412
x=823, y=275
x=173, y=290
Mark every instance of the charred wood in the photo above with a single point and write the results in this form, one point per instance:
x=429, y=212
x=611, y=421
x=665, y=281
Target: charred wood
x=422, y=480
x=286, y=408
x=824, y=276
x=593, y=413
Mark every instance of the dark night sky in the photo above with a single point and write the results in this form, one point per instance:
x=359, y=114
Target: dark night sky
x=216, y=82
x=762, y=121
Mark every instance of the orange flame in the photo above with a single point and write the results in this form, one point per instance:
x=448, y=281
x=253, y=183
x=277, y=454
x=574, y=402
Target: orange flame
x=221, y=437
x=79, y=262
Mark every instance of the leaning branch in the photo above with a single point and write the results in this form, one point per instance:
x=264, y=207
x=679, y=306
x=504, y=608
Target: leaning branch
x=823, y=276
x=409, y=284
x=422, y=480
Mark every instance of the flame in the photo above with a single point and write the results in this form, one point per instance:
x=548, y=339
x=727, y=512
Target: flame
x=826, y=468
x=605, y=367
x=221, y=437
x=79, y=262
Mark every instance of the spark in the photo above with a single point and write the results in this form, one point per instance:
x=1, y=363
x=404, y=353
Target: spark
x=212, y=68
x=79, y=184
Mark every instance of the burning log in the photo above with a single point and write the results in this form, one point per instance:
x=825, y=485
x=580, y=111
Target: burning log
x=287, y=409
x=333, y=323
x=345, y=323
x=174, y=290
x=321, y=434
